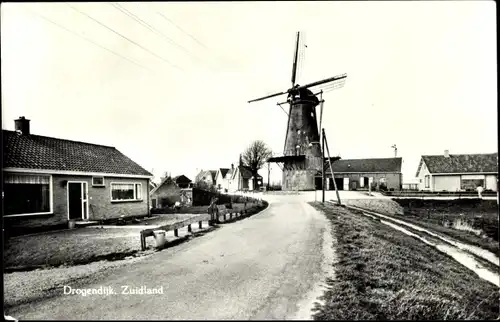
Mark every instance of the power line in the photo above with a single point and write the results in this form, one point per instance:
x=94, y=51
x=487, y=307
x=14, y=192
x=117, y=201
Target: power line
x=124, y=37
x=91, y=41
x=173, y=23
x=151, y=28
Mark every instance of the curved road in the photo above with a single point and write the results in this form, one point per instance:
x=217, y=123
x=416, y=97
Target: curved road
x=267, y=266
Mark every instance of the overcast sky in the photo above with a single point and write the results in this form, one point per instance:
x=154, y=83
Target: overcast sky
x=421, y=75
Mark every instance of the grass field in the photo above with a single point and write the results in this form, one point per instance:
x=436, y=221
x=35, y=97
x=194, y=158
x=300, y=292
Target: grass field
x=382, y=273
x=84, y=245
x=471, y=221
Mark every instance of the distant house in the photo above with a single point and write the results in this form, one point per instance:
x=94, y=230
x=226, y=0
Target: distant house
x=458, y=172
x=222, y=178
x=49, y=181
x=171, y=190
x=355, y=174
x=207, y=176
x=242, y=179
x=182, y=181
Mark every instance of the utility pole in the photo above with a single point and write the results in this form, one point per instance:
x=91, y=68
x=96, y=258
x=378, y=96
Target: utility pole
x=268, y=174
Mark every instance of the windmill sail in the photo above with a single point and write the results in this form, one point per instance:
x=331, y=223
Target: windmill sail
x=295, y=56
x=268, y=96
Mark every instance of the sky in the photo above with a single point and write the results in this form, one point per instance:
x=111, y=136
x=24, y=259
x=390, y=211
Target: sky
x=167, y=84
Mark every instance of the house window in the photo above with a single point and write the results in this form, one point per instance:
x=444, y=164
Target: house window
x=471, y=184
x=427, y=181
x=126, y=191
x=26, y=194
x=98, y=181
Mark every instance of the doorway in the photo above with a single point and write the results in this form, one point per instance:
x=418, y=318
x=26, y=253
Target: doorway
x=318, y=183
x=340, y=184
x=78, y=200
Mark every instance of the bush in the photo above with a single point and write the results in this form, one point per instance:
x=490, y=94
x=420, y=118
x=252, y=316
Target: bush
x=382, y=187
x=169, y=201
x=275, y=188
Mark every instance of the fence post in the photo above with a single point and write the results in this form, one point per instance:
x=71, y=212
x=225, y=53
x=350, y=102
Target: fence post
x=143, y=242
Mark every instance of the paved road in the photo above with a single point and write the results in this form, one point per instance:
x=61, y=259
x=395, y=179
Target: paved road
x=263, y=267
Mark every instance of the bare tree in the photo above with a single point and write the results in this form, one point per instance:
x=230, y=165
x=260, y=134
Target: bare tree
x=256, y=155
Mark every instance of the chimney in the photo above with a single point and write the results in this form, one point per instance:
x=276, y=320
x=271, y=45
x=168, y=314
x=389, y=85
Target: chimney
x=22, y=125
x=446, y=153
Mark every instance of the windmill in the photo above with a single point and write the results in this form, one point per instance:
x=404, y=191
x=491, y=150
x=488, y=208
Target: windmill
x=303, y=159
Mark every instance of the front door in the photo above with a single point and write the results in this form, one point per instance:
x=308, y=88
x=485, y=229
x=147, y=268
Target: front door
x=77, y=200
x=339, y=182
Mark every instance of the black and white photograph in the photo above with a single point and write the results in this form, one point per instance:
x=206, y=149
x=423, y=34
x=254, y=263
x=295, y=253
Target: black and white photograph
x=250, y=160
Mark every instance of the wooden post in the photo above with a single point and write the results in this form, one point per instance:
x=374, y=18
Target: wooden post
x=331, y=168
x=323, y=167
x=143, y=242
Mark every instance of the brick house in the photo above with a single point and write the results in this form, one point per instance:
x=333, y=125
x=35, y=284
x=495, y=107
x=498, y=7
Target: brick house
x=170, y=190
x=355, y=174
x=458, y=172
x=49, y=181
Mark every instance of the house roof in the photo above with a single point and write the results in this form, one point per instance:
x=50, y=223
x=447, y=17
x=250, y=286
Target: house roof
x=213, y=173
x=165, y=180
x=47, y=153
x=245, y=172
x=367, y=165
x=223, y=171
x=181, y=178
x=206, y=173
x=461, y=163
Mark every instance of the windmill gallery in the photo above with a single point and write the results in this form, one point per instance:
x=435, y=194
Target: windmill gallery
x=303, y=159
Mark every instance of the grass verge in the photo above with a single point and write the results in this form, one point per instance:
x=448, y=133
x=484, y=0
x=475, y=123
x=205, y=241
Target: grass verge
x=382, y=273
x=86, y=245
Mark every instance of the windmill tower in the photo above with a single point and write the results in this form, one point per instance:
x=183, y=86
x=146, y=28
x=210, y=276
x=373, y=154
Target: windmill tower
x=302, y=159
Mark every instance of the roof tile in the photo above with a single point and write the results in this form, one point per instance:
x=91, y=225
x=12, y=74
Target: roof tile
x=367, y=165
x=462, y=163
x=42, y=152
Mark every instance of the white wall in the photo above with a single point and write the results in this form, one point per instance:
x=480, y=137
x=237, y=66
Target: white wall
x=421, y=178
x=491, y=182
x=448, y=183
